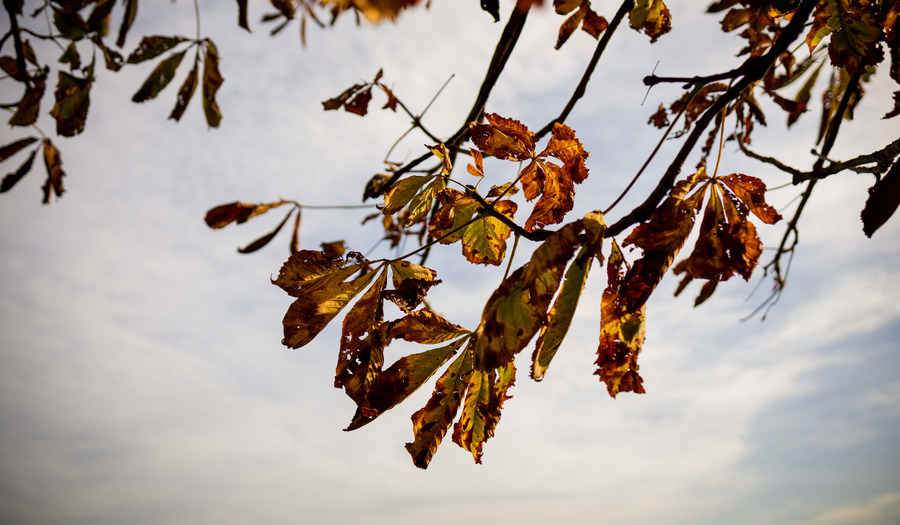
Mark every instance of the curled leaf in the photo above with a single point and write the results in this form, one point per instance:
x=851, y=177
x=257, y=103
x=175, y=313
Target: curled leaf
x=239, y=212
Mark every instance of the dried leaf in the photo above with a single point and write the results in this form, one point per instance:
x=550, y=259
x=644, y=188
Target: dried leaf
x=622, y=329
x=10, y=66
x=159, y=78
x=485, y=396
x=185, y=93
x=55, y=173
x=503, y=138
x=363, y=338
x=569, y=26
x=560, y=315
x=478, y=169
x=425, y=327
x=264, y=240
x=212, y=81
x=242, y=14
x=127, y=20
x=402, y=192
x=492, y=7
x=400, y=380
x=440, y=151
x=12, y=148
x=651, y=16
x=432, y=421
x=70, y=24
x=411, y=283
x=594, y=24
x=884, y=197
x=28, y=108
x=73, y=99
x=152, y=46
x=855, y=33
x=11, y=179
x=752, y=192
x=239, y=212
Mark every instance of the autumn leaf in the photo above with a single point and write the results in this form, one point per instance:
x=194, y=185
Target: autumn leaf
x=431, y=422
x=492, y=7
x=363, y=338
x=484, y=238
x=373, y=10
x=265, y=239
x=400, y=380
x=485, y=395
x=622, y=326
x=239, y=212
x=503, y=138
x=212, y=81
x=12, y=148
x=322, y=290
x=425, y=327
x=159, y=78
x=752, y=192
x=72, y=103
x=55, y=173
x=590, y=22
x=417, y=192
x=477, y=169
x=11, y=179
x=884, y=197
x=854, y=30
x=185, y=92
x=28, y=108
x=242, y=14
x=151, y=47
x=518, y=308
x=128, y=17
x=411, y=283
x=652, y=17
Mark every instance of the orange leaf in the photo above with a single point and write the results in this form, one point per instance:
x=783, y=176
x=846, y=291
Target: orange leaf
x=752, y=192
x=503, y=138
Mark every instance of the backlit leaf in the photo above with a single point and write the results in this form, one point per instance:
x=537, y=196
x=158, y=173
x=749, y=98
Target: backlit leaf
x=432, y=421
x=884, y=197
x=411, y=283
x=159, y=78
x=55, y=173
x=622, y=329
x=400, y=380
x=27, y=111
x=265, y=239
x=752, y=192
x=12, y=148
x=854, y=30
x=185, y=93
x=403, y=191
x=484, y=241
x=72, y=103
x=152, y=46
x=485, y=396
x=212, y=81
x=425, y=327
x=239, y=212
x=503, y=138
x=127, y=20
x=70, y=24
x=651, y=16
x=11, y=179
x=363, y=339
x=560, y=315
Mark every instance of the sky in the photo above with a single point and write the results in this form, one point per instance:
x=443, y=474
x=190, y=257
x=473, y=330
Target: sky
x=142, y=379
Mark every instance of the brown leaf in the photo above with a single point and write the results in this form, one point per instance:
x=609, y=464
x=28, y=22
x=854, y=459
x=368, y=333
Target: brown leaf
x=432, y=421
x=212, y=81
x=651, y=16
x=265, y=239
x=752, y=192
x=12, y=148
x=485, y=396
x=11, y=179
x=55, y=173
x=127, y=20
x=159, y=78
x=73, y=99
x=399, y=381
x=478, y=169
x=239, y=212
x=570, y=25
x=622, y=329
x=594, y=24
x=425, y=327
x=884, y=197
x=152, y=46
x=363, y=338
x=10, y=66
x=185, y=93
x=242, y=14
x=28, y=108
x=503, y=138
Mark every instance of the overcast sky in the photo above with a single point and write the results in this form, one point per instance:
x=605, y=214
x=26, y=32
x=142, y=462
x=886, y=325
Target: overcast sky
x=142, y=379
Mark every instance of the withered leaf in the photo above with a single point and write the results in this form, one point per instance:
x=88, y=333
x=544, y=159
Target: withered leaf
x=622, y=329
x=884, y=197
x=855, y=33
x=322, y=291
x=212, y=81
x=71, y=56
x=11, y=179
x=485, y=396
x=111, y=57
x=55, y=173
x=152, y=46
x=504, y=138
x=27, y=111
x=70, y=24
x=98, y=21
x=363, y=338
x=570, y=25
x=484, y=241
x=265, y=239
x=752, y=192
x=400, y=380
x=518, y=308
x=440, y=151
x=242, y=14
x=9, y=66
x=295, y=236
x=503, y=190
x=492, y=7
x=402, y=192
x=159, y=78
x=560, y=316
x=185, y=93
x=12, y=148
x=651, y=16
x=128, y=17
x=411, y=283
x=594, y=24
x=432, y=421
x=73, y=99
x=239, y=212
x=476, y=170
x=425, y=327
